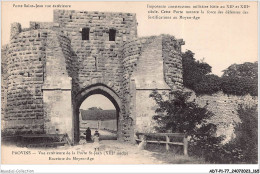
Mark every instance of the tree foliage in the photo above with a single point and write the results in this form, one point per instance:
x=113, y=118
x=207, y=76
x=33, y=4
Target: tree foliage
x=193, y=71
x=240, y=79
x=237, y=79
x=208, y=84
x=180, y=115
x=246, y=69
x=95, y=108
x=196, y=75
x=247, y=133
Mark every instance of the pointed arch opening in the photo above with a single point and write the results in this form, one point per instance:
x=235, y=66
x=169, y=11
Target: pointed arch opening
x=106, y=121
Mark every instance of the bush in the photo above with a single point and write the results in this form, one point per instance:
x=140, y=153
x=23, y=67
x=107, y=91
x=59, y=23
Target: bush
x=209, y=84
x=247, y=133
x=181, y=116
x=195, y=72
x=242, y=149
x=239, y=86
x=178, y=114
x=211, y=149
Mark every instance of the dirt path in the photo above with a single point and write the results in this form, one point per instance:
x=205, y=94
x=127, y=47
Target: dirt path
x=115, y=152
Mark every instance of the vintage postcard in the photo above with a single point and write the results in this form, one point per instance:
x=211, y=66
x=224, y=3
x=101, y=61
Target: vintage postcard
x=130, y=83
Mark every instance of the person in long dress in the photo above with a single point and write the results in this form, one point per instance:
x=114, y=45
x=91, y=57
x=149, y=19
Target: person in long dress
x=96, y=136
x=88, y=135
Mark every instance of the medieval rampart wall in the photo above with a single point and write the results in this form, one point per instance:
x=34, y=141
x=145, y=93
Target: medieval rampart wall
x=26, y=69
x=63, y=58
x=26, y=55
x=224, y=107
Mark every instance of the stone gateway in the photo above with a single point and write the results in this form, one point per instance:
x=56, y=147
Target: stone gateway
x=52, y=67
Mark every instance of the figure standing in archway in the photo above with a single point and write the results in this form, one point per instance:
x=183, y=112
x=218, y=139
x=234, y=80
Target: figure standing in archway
x=96, y=136
x=88, y=135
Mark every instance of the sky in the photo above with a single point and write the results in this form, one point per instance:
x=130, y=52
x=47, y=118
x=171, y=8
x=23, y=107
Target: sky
x=220, y=40
x=95, y=101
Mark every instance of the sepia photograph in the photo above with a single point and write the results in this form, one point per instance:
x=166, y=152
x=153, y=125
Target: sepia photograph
x=130, y=83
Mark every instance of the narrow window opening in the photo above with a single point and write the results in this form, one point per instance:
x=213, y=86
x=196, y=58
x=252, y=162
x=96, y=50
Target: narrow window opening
x=39, y=35
x=123, y=19
x=112, y=35
x=70, y=16
x=36, y=26
x=40, y=59
x=96, y=64
x=85, y=34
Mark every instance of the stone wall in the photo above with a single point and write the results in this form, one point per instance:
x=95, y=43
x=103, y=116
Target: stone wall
x=16, y=28
x=149, y=63
x=146, y=107
x=130, y=51
x=224, y=107
x=161, y=57
x=28, y=71
x=47, y=65
x=43, y=25
x=50, y=66
x=58, y=112
x=152, y=76
x=171, y=52
x=4, y=84
x=96, y=60
x=57, y=86
x=26, y=56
